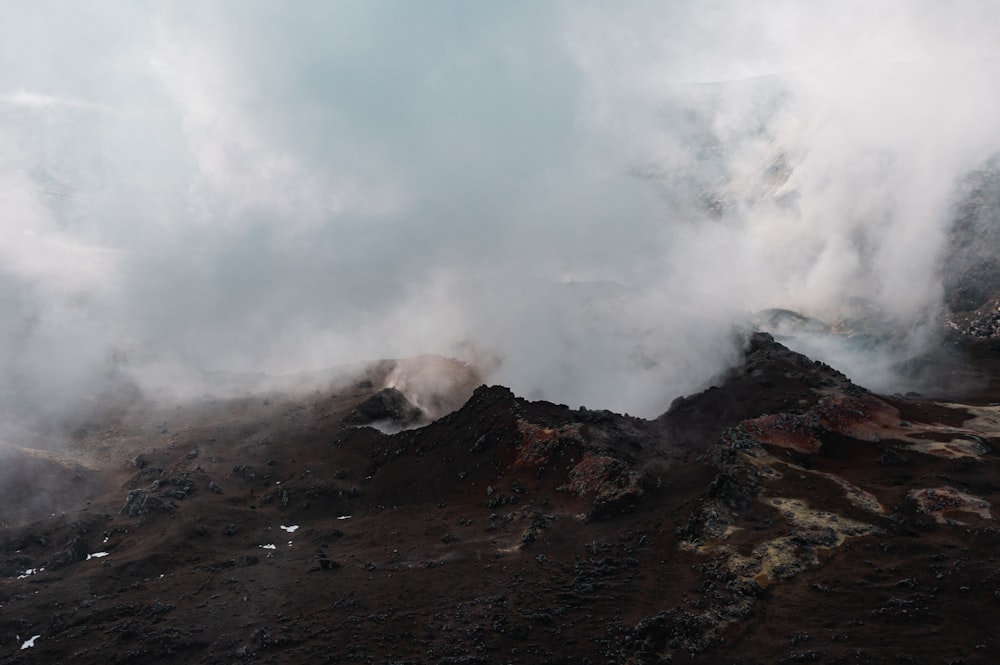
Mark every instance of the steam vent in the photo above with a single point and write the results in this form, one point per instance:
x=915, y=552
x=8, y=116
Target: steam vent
x=386, y=332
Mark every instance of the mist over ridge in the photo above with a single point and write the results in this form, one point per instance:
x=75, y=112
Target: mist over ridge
x=591, y=200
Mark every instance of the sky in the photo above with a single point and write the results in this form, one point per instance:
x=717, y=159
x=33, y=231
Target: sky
x=586, y=199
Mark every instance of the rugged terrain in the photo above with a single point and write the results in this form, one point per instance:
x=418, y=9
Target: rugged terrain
x=785, y=515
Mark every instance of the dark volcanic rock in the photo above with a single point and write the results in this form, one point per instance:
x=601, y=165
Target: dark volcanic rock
x=388, y=404
x=141, y=502
x=771, y=379
x=76, y=550
x=515, y=448
x=785, y=515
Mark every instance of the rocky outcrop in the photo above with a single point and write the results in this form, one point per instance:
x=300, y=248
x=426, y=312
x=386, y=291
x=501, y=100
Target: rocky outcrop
x=75, y=550
x=793, y=486
x=511, y=445
x=142, y=502
x=388, y=405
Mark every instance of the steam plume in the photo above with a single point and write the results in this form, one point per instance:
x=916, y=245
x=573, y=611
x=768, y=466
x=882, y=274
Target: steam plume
x=595, y=196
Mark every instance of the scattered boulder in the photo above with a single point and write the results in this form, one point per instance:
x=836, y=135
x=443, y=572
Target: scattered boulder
x=245, y=472
x=141, y=502
x=75, y=550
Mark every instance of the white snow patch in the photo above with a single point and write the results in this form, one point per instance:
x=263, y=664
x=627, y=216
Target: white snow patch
x=29, y=643
x=290, y=529
x=29, y=571
x=96, y=555
x=269, y=546
x=344, y=517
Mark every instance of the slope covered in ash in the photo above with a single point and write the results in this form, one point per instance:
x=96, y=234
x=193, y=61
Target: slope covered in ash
x=835, y=520
x=785, y=515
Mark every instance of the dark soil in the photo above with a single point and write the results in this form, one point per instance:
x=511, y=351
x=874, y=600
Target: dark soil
x=785, y=515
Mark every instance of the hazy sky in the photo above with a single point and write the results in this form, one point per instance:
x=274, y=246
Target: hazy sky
x=591, y=194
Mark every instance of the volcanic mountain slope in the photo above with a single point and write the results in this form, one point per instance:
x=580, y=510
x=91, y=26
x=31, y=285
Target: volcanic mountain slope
x=786, y=515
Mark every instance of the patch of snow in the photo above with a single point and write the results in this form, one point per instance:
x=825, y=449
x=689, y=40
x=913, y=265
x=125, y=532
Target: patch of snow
x=290, y=529
x=269, y=546
x=96, y=555
x=289, y=543
x=344, y=517
x=29, y=571
x=29, y=643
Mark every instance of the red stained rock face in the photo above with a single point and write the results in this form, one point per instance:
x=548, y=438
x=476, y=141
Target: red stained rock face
x=538, y=444
x=863, y=417
x=785, y=431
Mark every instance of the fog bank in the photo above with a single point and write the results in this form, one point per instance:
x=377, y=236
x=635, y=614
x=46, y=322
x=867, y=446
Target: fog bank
x=587, y=199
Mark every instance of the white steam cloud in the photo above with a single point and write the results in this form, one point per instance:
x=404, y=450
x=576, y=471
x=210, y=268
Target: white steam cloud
x=589, y=195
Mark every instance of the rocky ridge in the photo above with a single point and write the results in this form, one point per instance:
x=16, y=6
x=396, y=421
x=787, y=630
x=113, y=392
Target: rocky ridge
x=286, y=529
